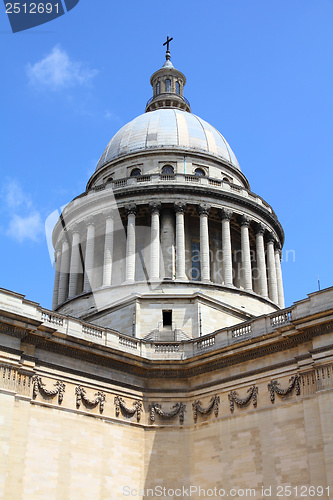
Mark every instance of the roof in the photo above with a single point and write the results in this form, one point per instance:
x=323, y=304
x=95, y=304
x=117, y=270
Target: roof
x=168, y=128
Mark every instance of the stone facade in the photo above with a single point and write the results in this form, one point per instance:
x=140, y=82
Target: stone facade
x=91, y=413
x=169, y=366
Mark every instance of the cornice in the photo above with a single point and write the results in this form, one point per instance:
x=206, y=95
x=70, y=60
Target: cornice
x=145, y=369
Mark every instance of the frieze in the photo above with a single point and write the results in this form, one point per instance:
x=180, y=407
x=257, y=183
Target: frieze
x=121, y=407
x=81, y=397
x=197, y=408
x=252, y=394
x=294, y=383
x=177, y=409
x=39, y=386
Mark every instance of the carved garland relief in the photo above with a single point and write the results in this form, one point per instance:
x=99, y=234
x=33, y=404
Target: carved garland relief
x=58, y=389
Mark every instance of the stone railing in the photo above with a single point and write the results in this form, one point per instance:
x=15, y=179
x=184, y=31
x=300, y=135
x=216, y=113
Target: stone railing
x=66, y=326
x=242, y=330
x=282, y=318
x=128, y=182
x=52, y=318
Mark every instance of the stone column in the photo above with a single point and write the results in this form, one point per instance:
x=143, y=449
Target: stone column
x=204, y=242
x=246, y=254
x=64, y=272
x=108, y=250
x=168, y=243
x=155, y=241
x=89, y=257
x=180, y=208
x=261, y=263
x=57, y=258
x=226, y=247
x=130, y=243
x=75, y=265
x=272, y=282
x=279, y=276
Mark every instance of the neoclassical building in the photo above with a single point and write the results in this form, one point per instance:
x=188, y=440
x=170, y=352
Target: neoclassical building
x=168, y=241
x=169, y=366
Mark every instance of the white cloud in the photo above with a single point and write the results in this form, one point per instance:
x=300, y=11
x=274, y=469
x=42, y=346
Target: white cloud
x=15, y=197
x=28, y=227
x=21, y=220
x=57, y=71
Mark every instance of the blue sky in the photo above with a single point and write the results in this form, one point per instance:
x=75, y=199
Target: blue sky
x=259, y=71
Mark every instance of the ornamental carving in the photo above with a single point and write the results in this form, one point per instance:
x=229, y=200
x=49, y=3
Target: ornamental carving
x=260, y=229
x=131, y=209
x=245, y=221
x=81, y=397
x=225, y=214
x=179, y=207
x=197, y=408
x=177, y=409
x=252, y=394
x=121, y=407
x=155, y=206
x=39, y=386
x=294, y=383
x=204, y=209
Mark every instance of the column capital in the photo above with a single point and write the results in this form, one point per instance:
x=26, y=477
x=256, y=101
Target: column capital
x=74, y=229
x=131, y=209
x=155, y=206
x=179, y=207
x=108, y=214
x=64, y=240
x=225, y=214
x=260, y=229
x=90, y=221
x=245, y=220
x=271, y=239
x=278, y=247
x=203, y=209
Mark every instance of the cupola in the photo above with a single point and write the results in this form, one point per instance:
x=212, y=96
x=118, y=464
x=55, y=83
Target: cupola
x=168, y=84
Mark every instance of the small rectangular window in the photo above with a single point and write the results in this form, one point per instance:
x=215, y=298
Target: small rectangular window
x=195, y=261
x=167, y=318
x=168, y=85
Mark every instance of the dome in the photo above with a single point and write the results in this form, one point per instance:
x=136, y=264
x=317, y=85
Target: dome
x=168, y=129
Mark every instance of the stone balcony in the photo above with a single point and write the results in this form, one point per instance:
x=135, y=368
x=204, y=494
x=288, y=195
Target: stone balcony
x=185, y=179
x=47, y=323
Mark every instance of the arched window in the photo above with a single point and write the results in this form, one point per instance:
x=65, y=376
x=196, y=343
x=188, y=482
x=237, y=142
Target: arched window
x=225, y=179
x=168, y=170
x=199, y=172
x=158, y=88
x=135, y=172
x=109, y=179
x=167, y=85
x=177, y=88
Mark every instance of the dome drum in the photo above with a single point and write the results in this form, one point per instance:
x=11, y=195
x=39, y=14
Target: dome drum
x=143, y=248
x=168, y=241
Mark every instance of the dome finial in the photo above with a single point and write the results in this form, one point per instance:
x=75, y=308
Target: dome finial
x=167, y=55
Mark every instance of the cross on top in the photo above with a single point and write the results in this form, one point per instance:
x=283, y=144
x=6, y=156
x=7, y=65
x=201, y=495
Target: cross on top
x=167, y=43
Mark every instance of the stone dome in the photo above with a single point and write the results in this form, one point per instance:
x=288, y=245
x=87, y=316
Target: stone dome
x=168, y=129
